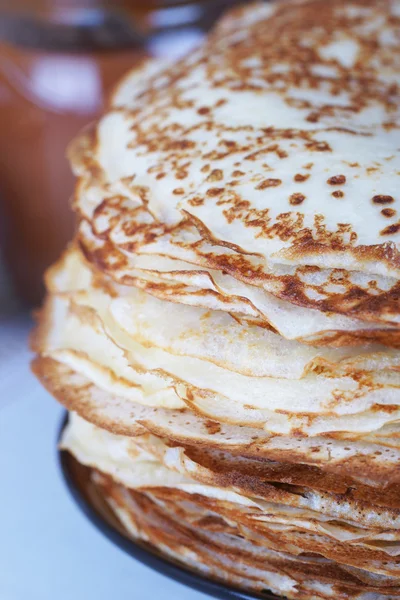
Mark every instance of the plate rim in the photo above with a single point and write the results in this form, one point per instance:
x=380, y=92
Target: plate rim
x=141, y=551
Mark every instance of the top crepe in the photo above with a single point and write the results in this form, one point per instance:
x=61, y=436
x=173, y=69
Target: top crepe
x=269, y=155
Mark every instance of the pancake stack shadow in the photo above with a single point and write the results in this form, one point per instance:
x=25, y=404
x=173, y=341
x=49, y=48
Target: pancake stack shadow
x=225, y=326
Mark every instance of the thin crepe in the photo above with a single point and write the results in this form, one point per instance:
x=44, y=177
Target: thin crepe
x=182, y=167
x=96, y=335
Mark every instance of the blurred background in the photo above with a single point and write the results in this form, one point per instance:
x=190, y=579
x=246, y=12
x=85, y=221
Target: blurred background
x=58, y=61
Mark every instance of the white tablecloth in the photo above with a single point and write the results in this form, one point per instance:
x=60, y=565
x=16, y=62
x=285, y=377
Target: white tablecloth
x=48, y=550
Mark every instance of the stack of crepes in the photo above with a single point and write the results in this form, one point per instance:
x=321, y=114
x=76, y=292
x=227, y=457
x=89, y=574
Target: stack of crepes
x=225, y=327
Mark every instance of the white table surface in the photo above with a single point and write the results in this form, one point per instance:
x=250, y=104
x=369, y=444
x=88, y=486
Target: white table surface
x=48, y=550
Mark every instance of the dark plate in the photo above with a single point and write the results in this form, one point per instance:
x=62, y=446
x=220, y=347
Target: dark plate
x=90, y=500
